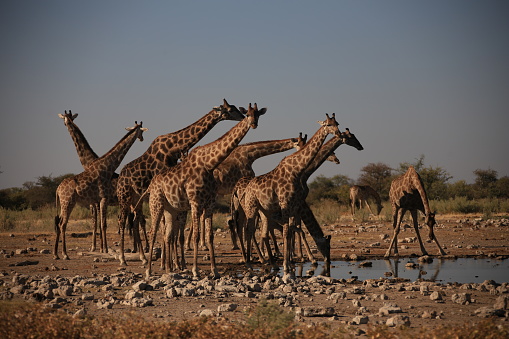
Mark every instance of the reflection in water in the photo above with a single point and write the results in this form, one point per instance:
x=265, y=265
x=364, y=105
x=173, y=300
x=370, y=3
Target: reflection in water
x=463, y=270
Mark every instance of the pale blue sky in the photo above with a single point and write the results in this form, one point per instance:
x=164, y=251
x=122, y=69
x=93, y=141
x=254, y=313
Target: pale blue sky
x=407, y=77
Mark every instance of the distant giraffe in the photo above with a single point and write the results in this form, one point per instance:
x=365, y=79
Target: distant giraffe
x=162, y=154
x=276, y=190
x=361, y=194
x=87, y=156
x=92, y=186
x=190, y=185
x=407, y=193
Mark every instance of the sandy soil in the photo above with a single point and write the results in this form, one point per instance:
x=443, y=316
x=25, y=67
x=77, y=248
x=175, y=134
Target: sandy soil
x=30, y=254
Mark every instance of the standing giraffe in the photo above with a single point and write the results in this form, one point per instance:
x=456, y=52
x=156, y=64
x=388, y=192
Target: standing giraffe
x=162, y=154
x=190, y=185
x=240, y=164
x=92, y=186
x=407, y=193
x=326, y=152
x=277, y=189
x=361, y=194
x=87, y=156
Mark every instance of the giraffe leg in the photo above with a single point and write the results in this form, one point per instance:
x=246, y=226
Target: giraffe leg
x=189, y=239
x=122, y=216
x=209, y=241
x=287, y=238
x=93, y=212
x=397, y=216
x=103, y=208
x=196, y=237
x=441, y=251
x=156, y=212
x=179, y=234
x=416, y=228
x=369, y=207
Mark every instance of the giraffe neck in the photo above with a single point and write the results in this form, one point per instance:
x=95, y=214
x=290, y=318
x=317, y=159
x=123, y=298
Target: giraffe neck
x=114, y=157
x=297, y=163
x=211, y=155
x=248, y=153
x=182, y=140
x=371, y=192
x=419, y=186
x=85, y=152
x=322, y=155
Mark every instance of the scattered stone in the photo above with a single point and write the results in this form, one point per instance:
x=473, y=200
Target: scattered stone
x=311, y=311
x=360, y=319
x=207, y=313
x=389, y=309
x=227, y=307
x=461, y=298
x=435, y=296
x=398, y=320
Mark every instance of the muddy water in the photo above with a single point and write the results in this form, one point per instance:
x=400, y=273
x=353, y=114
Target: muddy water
x=462, y=270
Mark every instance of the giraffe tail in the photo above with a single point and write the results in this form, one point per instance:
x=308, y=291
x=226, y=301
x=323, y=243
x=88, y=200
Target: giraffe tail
x=57, y=217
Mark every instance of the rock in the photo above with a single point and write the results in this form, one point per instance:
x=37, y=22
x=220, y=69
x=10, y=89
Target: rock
x=398, y=320
x=311, y=311
x=502, y=303
x=227, y=307
x=207, y=313
x=436, y=296
x=87, y=296
x=389, y=309
x=429, y=315
x=485, y=312
x=80, y=314
x=104, y=304
x=360, y=319
x=461, y=298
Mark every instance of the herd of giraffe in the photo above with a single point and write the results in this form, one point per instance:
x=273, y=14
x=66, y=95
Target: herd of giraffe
x=176, y=178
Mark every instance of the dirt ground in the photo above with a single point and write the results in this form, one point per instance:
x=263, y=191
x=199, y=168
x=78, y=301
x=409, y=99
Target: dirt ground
x=460, y=236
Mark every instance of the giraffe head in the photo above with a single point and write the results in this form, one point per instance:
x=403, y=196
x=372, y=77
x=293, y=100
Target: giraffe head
x=68, y=117
x=431, y=222
x=229, y=112
x=253, y=113
x=351, y=140
x=333, y=158
x=331, y=125
x=300, y=141
x=139, y=130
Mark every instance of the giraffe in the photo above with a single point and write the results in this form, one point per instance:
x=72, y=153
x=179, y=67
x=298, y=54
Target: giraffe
x=239, y=164
x=326, y=153
x=163, y=153
x=361, y=194
x=407, y=193
x=276, y=189
x=190, y=185
x=87, y=156
x=91, y=187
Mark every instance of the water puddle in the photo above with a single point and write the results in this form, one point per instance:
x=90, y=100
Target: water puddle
x=462, y=270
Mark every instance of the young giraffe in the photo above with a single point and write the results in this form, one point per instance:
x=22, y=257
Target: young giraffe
x=240, y=164
x=407, y=193
x=190, y=185
x=87, y=156
x=92, y=186
x=277, y=189
x=162, y=154
x=361, y=194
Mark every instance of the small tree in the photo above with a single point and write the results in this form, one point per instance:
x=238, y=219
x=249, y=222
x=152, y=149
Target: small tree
x=378, y=176
x=485, y=182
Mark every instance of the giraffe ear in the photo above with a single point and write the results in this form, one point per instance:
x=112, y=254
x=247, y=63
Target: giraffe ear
x=225, y=103
x=243, y=110
x=144, y=129
x=61, y=116
x=262, y=111
x=74, y=116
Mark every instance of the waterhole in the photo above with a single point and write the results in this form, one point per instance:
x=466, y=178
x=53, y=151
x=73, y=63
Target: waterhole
x=462, y=270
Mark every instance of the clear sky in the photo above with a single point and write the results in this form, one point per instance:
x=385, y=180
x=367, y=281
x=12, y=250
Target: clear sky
x=407, y=77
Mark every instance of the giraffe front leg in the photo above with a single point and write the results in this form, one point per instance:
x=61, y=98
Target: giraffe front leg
x=104, y=212
x=209, y=238
x=416, y=228
x=288, y=273
x=93, y=212
x=397, y=215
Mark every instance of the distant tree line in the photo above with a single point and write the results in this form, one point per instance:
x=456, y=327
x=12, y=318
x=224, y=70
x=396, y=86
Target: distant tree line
x=436, y=180
x=36, y=194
